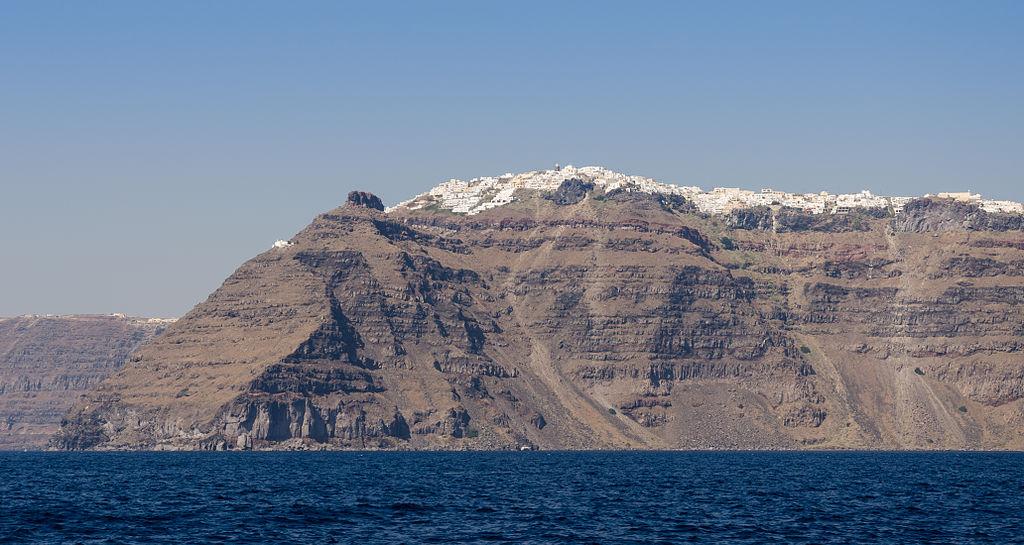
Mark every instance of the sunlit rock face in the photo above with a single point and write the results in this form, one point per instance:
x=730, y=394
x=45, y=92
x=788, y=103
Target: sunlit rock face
x=584, y=309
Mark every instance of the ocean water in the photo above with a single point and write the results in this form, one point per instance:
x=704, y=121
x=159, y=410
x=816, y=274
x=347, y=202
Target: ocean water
x=521, y=497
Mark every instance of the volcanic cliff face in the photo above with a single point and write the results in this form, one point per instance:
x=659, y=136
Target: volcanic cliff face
x=584, y=318
x=47, y=362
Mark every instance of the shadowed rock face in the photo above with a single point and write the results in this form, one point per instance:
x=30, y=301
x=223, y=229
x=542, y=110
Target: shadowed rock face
x=607, y=322
x=368, y=200
x=571, y=191
x=785, y=220
x=47, y=362
x=938, y=215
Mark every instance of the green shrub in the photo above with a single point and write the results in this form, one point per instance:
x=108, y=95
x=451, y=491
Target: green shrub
x=472, y=433
x=611, y=410
x=919, y=371
x=728, y=243
x=962, y=409
x=804, y=349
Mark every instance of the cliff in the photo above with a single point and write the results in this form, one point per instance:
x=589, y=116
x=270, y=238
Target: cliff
x=588, y=317
x=47, y=362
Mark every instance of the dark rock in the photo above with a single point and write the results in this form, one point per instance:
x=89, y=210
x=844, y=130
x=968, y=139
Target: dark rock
x=456, y=423
x=398, y=427
x=758, y=218
x=786, y=220
x=364, y=199
x=794, y=220
x=570, y=191
x=675, y=203
x=939, y=215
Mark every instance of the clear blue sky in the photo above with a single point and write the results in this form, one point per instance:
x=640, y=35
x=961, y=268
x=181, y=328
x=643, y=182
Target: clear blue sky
x=147, y=149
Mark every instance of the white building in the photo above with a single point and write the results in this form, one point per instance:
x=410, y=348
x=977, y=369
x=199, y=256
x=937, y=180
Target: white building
x=479, y=194
x=962, y=196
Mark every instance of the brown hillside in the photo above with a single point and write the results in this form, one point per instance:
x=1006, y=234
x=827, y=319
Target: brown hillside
x=619, y=320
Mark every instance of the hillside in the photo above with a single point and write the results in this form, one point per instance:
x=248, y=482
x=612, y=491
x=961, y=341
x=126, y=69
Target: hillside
x=47, y=362
x=593, y=317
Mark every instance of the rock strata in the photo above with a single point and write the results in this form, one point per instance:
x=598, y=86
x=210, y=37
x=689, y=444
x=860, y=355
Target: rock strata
x=587, y=317
x=47, y=362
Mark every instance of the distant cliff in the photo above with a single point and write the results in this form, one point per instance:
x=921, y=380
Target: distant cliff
x=47, y=362
x=590, y=316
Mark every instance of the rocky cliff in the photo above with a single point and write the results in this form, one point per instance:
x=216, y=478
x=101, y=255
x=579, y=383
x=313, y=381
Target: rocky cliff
x=47, y=362
x=585, y=318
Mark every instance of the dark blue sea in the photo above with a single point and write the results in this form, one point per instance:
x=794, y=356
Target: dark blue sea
x=522, y=497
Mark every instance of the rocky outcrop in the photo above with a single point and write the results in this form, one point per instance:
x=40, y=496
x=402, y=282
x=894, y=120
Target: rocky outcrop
x=759, y=218
x=364, y=199
x=571, y=191
x=586, y=319
x=47, y=362
x=793, y=220
x=941, y=215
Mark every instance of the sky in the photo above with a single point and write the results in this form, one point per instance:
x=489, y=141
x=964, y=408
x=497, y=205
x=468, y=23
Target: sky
x=147, y=149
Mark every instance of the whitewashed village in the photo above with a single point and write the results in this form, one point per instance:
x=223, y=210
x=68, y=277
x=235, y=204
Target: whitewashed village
x=480, y=194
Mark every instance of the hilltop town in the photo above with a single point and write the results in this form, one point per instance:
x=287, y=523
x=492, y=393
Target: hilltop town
x=480, y=194
x=584, y=314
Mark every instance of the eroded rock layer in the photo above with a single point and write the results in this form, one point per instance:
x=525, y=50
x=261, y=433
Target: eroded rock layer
x=47, y=362
x=584, y=319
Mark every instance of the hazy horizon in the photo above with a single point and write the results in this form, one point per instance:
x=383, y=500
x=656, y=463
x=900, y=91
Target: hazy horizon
x=148, y=150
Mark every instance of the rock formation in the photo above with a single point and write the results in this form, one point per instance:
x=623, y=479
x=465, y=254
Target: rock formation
x=47, y=362
x=582, y=318
x=362, y=198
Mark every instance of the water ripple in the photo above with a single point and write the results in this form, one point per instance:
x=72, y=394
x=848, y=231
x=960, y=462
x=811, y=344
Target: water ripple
x=528, y=497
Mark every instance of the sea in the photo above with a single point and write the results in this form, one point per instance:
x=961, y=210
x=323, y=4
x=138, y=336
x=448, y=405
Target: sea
x=511, y=497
